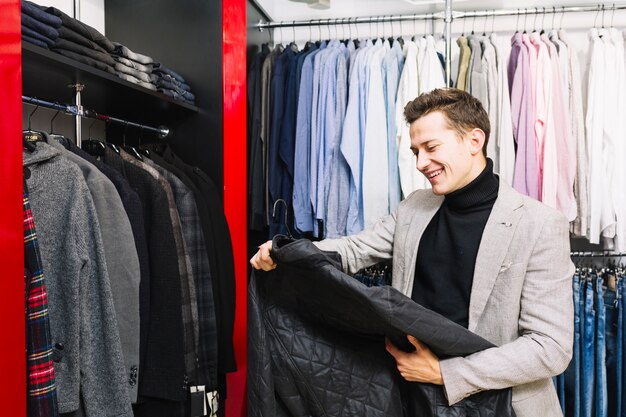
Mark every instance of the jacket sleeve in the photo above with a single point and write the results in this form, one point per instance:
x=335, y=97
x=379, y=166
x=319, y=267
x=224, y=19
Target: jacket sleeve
x=544, y=345
x=373, y=245
x=103, y=384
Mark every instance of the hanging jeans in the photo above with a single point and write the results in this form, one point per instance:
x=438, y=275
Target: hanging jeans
x=572, y=373
x=588, y=348
x=613, y=341
x=600, y=357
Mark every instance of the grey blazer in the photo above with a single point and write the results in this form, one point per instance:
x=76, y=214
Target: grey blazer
x=521, y=296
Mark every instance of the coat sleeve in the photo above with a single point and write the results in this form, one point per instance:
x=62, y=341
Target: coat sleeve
x=103, y=383
x=544, y=345
x=373, y=245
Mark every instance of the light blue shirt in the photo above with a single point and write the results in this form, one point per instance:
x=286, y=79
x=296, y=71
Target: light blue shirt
x=337, y=195
x=353, y=134
x=303, y=210
x=391, y=77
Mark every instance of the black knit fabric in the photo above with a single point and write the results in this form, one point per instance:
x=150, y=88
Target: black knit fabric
x=447, y=250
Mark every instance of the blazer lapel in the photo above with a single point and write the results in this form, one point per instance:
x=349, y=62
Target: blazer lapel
x=494, y=245
x=424, y=211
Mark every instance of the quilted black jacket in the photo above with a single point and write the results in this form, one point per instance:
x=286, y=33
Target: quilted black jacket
x=316, y=345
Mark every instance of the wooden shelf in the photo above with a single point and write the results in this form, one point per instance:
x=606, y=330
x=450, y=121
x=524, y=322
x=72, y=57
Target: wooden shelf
x=46, y=75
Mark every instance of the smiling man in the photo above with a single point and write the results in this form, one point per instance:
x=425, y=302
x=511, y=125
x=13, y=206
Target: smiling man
x=477, y=252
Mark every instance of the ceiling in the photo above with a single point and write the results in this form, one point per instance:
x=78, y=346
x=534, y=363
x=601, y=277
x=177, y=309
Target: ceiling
x=286, y=10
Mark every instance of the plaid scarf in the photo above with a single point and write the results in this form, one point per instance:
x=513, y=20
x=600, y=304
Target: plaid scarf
x=42, y=396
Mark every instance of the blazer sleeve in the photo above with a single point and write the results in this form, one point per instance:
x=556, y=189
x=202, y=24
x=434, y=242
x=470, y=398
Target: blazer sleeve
x=544, y=345
x=372, y=245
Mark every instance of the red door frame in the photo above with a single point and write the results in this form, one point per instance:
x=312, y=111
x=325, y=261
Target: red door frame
x=234, y=99
x=13, y=363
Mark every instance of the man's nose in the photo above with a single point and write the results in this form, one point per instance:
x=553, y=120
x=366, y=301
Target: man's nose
x=421, y=161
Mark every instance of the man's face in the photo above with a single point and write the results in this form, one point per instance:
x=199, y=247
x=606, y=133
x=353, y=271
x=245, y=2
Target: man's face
x=444, y=158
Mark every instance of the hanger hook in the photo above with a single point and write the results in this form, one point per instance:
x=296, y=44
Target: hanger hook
x=525, y=18
x=553, y=15
x=602, y=15
x=52, y=121
x=286, y=222
x=493, y=21
x=612, y=14
x=473, y=22
x=595, y=20
x=485, y=24
x=562, y=16
x=31, y=115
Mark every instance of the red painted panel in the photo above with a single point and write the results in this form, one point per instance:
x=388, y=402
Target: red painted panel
x=234, y=89
x=12, y=351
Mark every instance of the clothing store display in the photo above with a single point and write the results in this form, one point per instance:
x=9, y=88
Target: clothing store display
x=344, y=323
x=42, y=394
x=87, y=350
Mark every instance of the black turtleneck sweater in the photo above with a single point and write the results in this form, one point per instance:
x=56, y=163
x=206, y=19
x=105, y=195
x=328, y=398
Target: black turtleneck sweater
x=447, y=251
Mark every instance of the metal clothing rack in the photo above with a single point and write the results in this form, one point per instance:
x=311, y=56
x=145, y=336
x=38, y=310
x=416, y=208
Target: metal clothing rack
x=596, y=254
x=448, y=15
x=80, y=112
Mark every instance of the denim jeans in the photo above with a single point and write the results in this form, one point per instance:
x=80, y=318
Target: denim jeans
x=613, y=332
x=600, y=385
x=572, y=373
x=588, y=350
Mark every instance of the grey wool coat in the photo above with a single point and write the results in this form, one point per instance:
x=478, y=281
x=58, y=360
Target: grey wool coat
x=521, y=297
x=121, y=258
x=88, y=360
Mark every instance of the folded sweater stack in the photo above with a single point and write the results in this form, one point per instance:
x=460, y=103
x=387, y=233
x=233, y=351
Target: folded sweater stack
x=38, y=26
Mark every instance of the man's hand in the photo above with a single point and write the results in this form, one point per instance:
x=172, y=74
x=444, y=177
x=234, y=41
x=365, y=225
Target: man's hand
x=419, y=366
x=262, y=259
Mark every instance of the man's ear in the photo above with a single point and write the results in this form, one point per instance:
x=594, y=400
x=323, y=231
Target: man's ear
x=476, y=138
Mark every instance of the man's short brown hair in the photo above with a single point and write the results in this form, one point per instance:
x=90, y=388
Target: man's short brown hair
x=463, y=111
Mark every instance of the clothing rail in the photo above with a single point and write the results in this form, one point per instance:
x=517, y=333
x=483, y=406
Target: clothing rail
x=441, y=16
x=161, y=131
x=596, y=254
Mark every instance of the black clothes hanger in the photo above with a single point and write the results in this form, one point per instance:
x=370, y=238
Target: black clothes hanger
x=56, y=136
x=30, y=137
x=92, y=146
x=280, y=200
x=130, y=149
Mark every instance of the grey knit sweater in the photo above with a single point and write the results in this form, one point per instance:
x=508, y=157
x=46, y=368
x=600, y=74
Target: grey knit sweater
x=87, y=350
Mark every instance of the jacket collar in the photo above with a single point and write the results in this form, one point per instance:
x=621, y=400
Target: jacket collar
x=42, y=153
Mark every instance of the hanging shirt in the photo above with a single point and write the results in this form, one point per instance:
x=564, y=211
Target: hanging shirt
x=352, y=137
x=503, y=133
x=431, y=75
x=464, y=60
x=490, y=69
x=564, y=156
x=580, y=226
x=410, y=178
x=618, y=195
x=594, y=124
x=303, y=210
x=476, y=74
x=391, y=77
x=531, y=159
x=337, y=186
x=375, y=160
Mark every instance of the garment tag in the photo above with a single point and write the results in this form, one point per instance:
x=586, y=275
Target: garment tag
x=213, y=399
x=198, y=403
